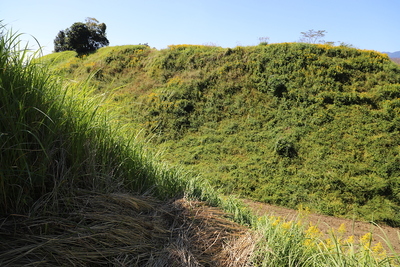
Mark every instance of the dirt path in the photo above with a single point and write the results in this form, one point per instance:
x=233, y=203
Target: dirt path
x=326, y=223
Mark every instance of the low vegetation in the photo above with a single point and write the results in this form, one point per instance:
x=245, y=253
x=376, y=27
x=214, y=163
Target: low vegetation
x=77, y=189
x=289, y=124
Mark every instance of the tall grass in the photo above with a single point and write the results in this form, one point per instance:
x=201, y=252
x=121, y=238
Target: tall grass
x=293, y=243
x=55, y=139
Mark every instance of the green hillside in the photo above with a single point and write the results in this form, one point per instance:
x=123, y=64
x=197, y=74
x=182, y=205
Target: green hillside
x=289, y=124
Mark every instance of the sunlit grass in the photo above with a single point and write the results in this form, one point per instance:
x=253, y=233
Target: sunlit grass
x=57, y=138
x=293, y=243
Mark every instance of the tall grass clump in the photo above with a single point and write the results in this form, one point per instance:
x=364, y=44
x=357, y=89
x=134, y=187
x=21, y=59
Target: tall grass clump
x=280, y=242
x=55, y=140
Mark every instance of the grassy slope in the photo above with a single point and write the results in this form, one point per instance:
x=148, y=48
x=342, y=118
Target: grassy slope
x=76, y=190
x=287, y=124
x=66, y=181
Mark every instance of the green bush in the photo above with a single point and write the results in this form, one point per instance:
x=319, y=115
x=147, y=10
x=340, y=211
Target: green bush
x=285, y=148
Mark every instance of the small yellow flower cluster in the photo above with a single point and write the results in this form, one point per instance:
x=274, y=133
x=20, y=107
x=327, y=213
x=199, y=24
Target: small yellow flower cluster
x=183, y=46
x=366, y=240
x=376, y=54
x=287, y=225
x=312, y=235
x=90, y=64
x=152, y=97
x=337, y=242
x=342, y=229
x=73, y=63
x=349, y=240
x=304, y=211
x=277, y=220
x=313, y=232
x=325, y=46
x=174, y=81
x=328, y=244
x=379, y=251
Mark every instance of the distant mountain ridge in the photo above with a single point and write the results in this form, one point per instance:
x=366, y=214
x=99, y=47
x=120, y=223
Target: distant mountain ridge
x=393, y=54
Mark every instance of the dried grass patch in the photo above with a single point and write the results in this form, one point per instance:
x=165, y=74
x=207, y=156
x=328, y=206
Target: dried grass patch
x=206, y=237
x=125, y=230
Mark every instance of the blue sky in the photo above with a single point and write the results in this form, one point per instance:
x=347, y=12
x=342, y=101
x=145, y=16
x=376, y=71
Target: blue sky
x=365, y=24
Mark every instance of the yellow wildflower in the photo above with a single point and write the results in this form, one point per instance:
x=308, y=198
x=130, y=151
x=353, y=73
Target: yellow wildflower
x=349, y=240
x=378, y=251
x=277, y=220
x=365, y=240
x=342, y=229
x=313, y=231
x=309, y=243
x=287, y=225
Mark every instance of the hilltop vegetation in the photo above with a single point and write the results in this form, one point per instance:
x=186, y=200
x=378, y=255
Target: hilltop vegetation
x=289, y=124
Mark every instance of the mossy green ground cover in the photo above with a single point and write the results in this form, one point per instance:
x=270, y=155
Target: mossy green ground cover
x=287, y=124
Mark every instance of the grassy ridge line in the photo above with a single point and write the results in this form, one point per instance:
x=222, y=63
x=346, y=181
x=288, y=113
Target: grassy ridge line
x=286, y=124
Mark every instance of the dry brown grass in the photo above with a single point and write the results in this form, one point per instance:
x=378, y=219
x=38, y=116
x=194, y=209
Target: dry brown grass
x=211, y=239
x=125, y=230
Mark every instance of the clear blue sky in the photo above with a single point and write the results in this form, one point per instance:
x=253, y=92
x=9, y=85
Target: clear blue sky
x=366, y=24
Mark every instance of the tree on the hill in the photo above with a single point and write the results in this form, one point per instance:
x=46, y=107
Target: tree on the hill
x=82, y=37
x=59, y=42
x=312, y=36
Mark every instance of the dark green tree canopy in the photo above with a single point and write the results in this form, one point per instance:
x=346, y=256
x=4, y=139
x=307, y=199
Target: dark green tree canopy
x=59, y=42
x=82, y=37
